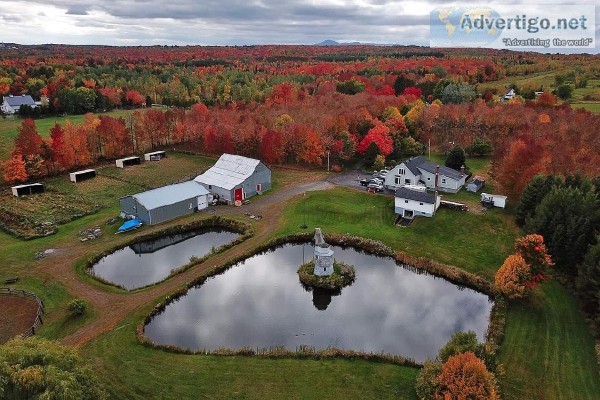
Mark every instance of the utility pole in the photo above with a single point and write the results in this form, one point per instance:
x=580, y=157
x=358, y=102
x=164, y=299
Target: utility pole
x=327, y=160
x=303, y=226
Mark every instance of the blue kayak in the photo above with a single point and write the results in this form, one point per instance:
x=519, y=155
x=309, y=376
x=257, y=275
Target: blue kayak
x=129, y=225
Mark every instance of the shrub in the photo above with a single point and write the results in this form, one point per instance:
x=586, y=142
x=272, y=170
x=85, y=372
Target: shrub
x=513, y=277
x=37, y=368
x=77, y=307
x=460, y=342
x=464, y=376
x=336, y=168
x=427, y=380
x=379, y=162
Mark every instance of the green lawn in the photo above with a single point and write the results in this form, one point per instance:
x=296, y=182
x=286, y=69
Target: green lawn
x=548, y=349
x=9, y=126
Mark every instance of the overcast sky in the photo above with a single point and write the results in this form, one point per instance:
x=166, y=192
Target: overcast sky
x=219, y=22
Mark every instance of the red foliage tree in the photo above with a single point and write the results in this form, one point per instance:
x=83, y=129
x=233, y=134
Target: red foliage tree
x=271, y=147
x=464, y=376
x=380, y=135
x=412, y=91
x=57, y=136
x=28, y=140
x=134, y=97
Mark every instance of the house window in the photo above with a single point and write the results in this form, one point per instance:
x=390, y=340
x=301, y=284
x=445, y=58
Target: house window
x=397, y=180
x=209, y=187
x=190, y=206
x=406, y=201
x=443, y=180
x=420, y=204
x=401, y=171
x=428, y=179
x=407, y=181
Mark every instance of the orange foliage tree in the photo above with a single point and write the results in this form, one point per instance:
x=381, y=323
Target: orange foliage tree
x=514, y=277
x=14, y=169
x=533, y=250
x=465, y=376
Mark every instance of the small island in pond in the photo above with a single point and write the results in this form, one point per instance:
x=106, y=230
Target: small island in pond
x=323, y=271
x=343, y=275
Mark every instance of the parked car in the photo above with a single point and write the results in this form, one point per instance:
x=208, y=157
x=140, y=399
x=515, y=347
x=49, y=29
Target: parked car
x=377, y=187
x=365, y=182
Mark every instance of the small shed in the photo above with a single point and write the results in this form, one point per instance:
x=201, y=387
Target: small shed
x=476, y=184
x=155, y=156
x=496, y=200
x=83, y=175
x=27, y=189
x=165, y=203
x=323, y=255
x=128, y=161
x=235, y=178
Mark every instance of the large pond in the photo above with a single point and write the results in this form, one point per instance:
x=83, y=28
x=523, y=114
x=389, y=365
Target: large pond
x=151, y=261
x=261, y=303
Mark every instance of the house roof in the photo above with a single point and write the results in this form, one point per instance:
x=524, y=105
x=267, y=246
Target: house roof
x=229, y=171
x=18, y=101
x=430, y=166
x=416, y=195
x=171, y=194
x=413, y=163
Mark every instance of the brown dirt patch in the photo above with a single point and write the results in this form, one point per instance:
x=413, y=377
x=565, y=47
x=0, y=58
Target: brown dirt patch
x=17, y=315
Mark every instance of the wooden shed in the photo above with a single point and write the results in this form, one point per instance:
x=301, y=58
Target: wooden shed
x=82, y=175
x=128, y=161
x=476, y=184
x=27, y=189
x=155, y=156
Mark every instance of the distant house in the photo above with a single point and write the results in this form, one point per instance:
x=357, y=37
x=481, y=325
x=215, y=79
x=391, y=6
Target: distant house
x=12, y=104
x=419, y=171
x=409, y=203
x=165, y=203
x=476, y=184
x=509, y=94
x=235, y=178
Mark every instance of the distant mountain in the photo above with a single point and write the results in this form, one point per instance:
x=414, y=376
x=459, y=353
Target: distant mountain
x=330, y=42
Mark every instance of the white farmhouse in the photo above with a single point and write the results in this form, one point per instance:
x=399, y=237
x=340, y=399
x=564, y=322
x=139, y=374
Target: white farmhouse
x=419, y=171
x=409, y=203
x=11, y=104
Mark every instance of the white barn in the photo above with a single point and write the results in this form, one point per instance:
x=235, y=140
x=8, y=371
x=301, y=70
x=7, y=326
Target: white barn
x=235, y=178
x=419, y=171
x=409, y=203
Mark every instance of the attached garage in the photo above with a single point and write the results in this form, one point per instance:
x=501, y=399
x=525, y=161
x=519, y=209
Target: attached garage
x=236, y=178
x=165, y=203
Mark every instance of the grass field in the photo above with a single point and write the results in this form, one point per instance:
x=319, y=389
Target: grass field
x=548, y=351
x=10, y=125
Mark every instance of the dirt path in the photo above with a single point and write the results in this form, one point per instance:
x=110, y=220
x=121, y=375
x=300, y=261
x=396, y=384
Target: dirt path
x=113, y=307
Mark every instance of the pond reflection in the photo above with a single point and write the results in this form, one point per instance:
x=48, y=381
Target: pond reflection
x=261, y=303
x=151, y=261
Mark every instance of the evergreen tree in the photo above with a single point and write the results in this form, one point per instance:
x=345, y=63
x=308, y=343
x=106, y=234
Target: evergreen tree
x=371, y=153
x=456, y=158
x=567, y=219
x=532, y=196
x=588, y=281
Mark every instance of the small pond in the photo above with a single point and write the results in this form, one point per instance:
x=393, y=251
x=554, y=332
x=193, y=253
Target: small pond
x=151, y=261
x=261, y=303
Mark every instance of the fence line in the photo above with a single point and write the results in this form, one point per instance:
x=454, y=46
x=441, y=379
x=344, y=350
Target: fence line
x=38, y=318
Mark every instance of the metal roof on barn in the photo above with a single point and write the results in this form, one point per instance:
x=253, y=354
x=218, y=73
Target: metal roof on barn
x=229, y=171
x=171, y=194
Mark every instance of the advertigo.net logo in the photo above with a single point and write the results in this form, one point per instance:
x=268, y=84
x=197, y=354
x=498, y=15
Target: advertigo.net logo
x=552, y=26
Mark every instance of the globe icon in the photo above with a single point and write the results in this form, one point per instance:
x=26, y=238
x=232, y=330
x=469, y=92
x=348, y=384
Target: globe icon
x=463, y=27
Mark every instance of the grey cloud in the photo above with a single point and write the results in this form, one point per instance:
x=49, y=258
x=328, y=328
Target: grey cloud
x=77, y=10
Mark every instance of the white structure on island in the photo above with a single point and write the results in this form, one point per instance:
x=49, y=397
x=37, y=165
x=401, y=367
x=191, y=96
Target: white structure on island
x=323, y=255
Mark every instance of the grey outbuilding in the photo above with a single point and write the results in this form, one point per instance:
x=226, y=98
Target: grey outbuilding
x=235, y=178
x=165, y=203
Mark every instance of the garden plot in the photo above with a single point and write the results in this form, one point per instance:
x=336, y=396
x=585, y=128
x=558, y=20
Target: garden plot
x=39, y=215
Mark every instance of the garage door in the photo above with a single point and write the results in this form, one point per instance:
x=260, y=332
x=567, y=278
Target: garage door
x=202, y=202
